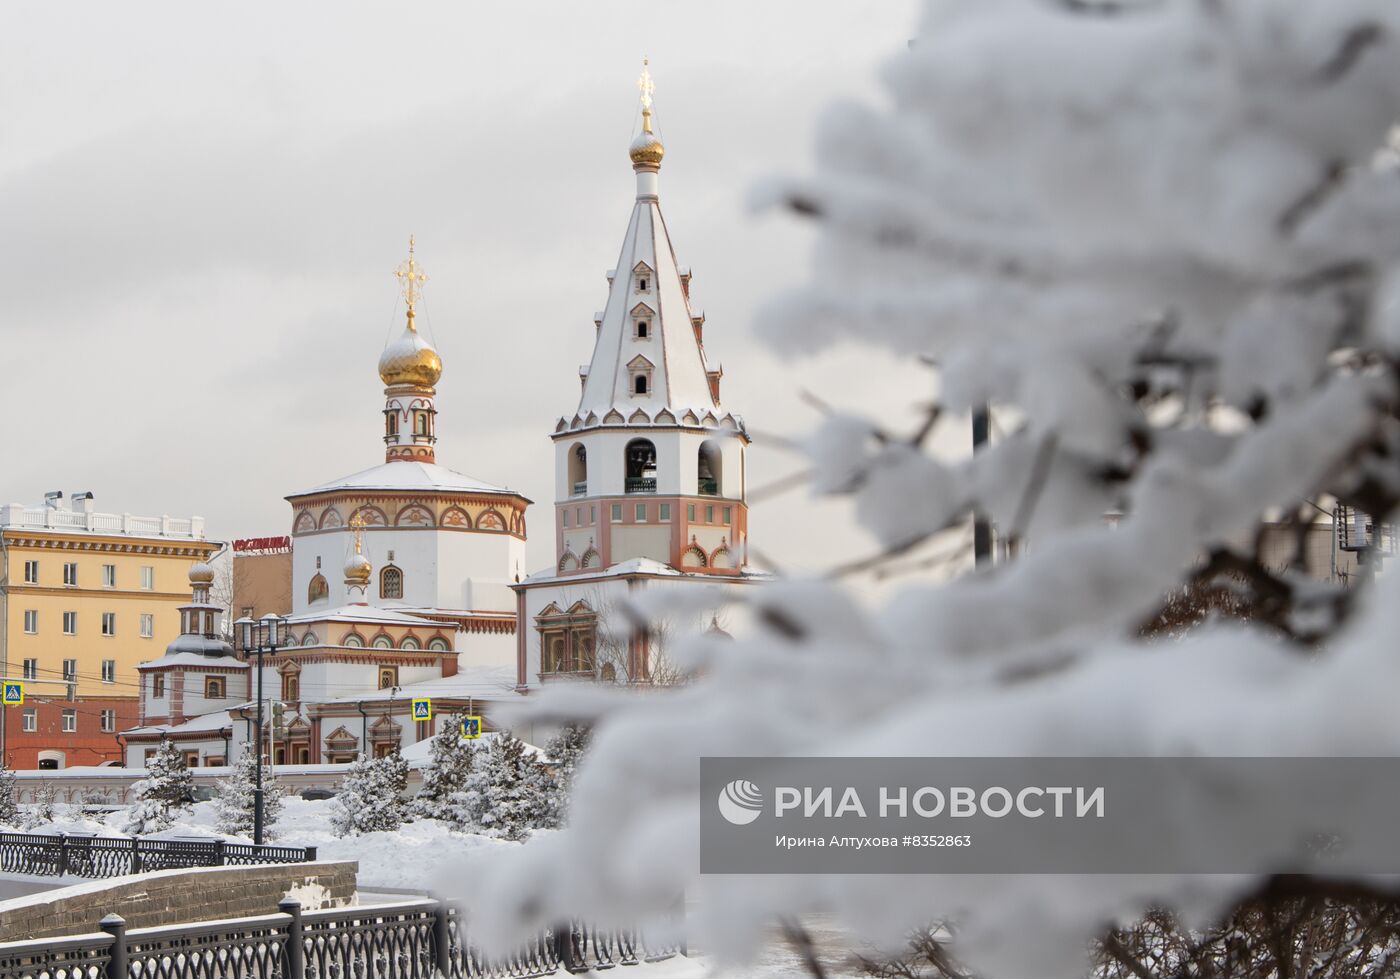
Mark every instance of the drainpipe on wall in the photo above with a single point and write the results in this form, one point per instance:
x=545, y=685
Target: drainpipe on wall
x=364, y=728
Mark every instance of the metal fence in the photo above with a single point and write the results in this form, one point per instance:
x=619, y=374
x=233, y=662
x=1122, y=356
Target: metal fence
x=116, y=856
x=418, y=939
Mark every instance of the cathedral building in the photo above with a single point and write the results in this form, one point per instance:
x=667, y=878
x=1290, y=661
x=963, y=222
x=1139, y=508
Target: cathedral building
x=649, y=468
x=401, y=588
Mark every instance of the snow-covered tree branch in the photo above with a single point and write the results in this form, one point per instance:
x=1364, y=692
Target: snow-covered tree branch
x=1163, y=238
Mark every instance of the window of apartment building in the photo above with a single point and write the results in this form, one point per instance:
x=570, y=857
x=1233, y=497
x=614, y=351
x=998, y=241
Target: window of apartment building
x=641, y=513
x=70, y=720
x=31, y=572
x=109, y=671
x=31, y=669
x=70, y=623
x=148, y=577
x=214, y=687
x=148, y=625
x=109, y=721
x=70, y=669
x=617, y=512
x=665, y=512
x=70, y=573
x=31, y=719
x=158, y=685
x=31, y=620
x=109, y=623
x=109, y=576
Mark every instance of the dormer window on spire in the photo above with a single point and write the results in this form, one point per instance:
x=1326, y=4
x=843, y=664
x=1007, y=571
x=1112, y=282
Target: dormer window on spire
x=641, y=277
x=639, y=371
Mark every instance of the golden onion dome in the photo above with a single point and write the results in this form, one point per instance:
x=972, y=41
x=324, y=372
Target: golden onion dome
x=201, y=573
x=646, y=150
x=357, y=570
x=410, y=360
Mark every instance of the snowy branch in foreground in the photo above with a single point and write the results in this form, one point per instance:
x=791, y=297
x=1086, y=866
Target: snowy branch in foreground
x=1165, y=239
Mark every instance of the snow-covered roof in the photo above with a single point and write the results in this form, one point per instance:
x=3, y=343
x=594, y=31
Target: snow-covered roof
x=420, y=752
x=476, y=682
x=361, y=614
x=405, y=475
x=640, y=566
x=193, y=659
x=213, y=721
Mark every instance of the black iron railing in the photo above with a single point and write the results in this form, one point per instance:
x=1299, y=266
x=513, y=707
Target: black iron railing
x=419, y=939
x=708, y=487
x=640, y=484
x=115, y=856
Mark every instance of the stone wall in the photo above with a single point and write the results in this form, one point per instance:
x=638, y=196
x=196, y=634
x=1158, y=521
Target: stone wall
x=178, y=896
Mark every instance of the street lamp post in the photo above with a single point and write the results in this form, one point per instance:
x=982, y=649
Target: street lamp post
x=260, y=636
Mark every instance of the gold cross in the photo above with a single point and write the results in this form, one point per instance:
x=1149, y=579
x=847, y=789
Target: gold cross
x=357, y=524
x=410, y=276
x=645, y=84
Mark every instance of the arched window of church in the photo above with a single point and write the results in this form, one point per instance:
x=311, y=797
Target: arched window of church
x=390, y=582
x=388, y=677
x=439, y=645
x=643, y=329
x=383, y=642
x=291, y=687
x=391, y=422
x=639, y=384
x=578, y=470
x=309, y=639
x=354, y=641
x=420, y=422
x=709, y=468
x=318, y=589
x=409, y=643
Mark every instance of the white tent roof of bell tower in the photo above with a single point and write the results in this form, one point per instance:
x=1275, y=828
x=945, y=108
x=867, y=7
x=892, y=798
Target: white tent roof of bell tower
x=679, y=379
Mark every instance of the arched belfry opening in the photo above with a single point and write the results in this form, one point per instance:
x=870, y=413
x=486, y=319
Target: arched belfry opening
x=709, y=469
x=578, y=470
x=641, y=466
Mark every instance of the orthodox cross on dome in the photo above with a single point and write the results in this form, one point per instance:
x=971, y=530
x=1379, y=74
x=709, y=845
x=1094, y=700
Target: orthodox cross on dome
x=410, y=277
x=646, y=85
x=357, y=524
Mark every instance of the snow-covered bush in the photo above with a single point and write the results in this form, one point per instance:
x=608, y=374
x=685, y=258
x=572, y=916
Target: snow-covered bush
x=235, y=799
x=507, y=792
x=43, y=809
x=448, y=767
x=166, y=789
x=371, y=799
x=1161, y=239
x=9, y=805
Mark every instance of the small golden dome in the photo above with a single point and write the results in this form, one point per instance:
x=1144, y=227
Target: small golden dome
x=201, y=573
x=410, y=360
x=646, y=150
x=357, y=570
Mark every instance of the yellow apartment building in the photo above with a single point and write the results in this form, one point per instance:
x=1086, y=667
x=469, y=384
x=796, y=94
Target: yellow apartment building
x=84, y=598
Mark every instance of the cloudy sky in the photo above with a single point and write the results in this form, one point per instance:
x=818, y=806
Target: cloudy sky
x=201, y=206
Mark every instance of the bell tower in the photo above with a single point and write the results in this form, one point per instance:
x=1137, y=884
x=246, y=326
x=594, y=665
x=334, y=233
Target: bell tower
x=410, y=368
x=650, y=466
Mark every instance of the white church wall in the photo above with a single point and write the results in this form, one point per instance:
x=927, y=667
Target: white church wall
x=485, y=649
x=634, y=540
x=475, y=571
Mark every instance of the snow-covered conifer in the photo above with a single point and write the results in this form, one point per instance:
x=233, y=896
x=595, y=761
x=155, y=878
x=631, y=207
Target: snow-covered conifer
x=371, y=796
x=565, y=750
x=447, y=771
x=166, y=789
x=9, y=806
x=43, y=809
x=505, y=794
x=235, y=800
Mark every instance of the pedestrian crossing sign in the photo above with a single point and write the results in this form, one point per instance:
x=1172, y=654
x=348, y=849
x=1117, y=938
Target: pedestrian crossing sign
x=423, y=709
x=471, y=727
x=14, y=692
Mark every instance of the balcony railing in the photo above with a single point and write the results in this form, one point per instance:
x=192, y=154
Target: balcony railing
x=708, y=487
x=581, y=488
x=641, y=484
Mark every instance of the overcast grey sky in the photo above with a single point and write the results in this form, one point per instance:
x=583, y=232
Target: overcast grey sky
x=201, y=205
